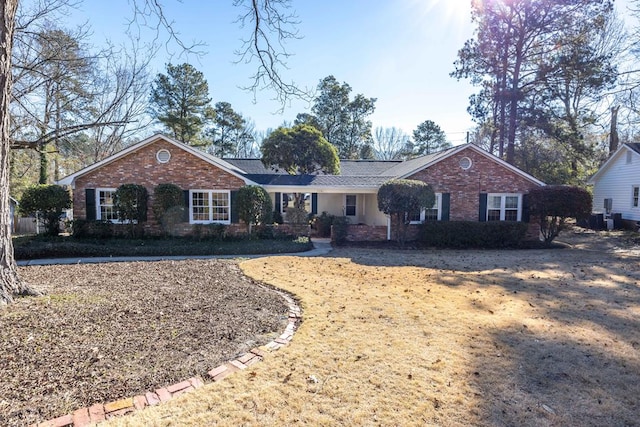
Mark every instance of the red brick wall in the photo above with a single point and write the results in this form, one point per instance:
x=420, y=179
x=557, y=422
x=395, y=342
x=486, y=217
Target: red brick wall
x=484, y=176
x=141, y=167
x=364, y=233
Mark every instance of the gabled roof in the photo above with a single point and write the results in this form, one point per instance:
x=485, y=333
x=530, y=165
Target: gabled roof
x=412, y=166
x=227, y=167
x=365, y=175
x=634, y=147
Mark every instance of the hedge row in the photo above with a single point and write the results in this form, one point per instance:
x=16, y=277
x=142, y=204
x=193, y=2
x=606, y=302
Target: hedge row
x=471, y=234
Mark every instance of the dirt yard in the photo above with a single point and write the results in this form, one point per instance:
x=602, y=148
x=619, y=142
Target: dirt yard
x=433, y=337
x=443, y=338
x=107, y=331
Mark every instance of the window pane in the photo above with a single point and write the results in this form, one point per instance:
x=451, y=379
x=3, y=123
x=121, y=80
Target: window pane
x=511, y=215
x=105, y=200
x=431, y=214
x=350, y=205
x=220, y=206
x=511, y=202
x=414, y=216
x=200, y=206
x=494, y=202
x=493, y=215
x=636, y=196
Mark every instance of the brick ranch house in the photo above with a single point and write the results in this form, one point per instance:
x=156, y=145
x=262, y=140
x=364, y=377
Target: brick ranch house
x=470, y=184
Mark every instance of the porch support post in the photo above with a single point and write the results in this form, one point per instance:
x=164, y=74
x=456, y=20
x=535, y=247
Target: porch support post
x=388, y=227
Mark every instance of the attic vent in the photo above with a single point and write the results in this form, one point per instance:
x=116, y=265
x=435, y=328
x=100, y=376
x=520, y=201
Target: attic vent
x=163, y=156
x=465, y=163
x=629, y=157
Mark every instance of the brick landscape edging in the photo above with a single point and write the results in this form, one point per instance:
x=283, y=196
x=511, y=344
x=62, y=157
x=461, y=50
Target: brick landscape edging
x=100, y=412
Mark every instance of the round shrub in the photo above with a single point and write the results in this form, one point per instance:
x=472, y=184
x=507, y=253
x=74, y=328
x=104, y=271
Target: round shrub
x=48, y=202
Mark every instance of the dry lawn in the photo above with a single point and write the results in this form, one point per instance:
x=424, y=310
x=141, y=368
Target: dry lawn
x=451, y=338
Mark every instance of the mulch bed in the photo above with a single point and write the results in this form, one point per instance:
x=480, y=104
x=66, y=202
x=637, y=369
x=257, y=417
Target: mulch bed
x=108, y=331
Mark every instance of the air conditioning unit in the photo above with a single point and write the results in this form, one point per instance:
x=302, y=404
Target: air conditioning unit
x=608, y=205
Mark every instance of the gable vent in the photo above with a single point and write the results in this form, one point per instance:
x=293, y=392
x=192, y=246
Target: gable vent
x=465, y=163
x=163, y=156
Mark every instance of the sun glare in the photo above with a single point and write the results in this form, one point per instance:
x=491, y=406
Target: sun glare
x=450, y=10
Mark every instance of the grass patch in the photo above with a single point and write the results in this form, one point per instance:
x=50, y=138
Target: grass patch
x=442, y=337
x=37, y=247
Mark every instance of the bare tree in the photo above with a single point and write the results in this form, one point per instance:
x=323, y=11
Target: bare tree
x=267, y=17
x=272, y=24
x=390, y=143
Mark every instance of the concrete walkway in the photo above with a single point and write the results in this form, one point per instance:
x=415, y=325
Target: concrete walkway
x=321, y=247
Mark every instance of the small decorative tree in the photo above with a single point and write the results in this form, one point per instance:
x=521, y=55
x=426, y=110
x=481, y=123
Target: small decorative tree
x=399, y=198
x=168, y=205
x=47, y=202
x=300, y=150
x=553, y=204
x=254, y=205
x=130, y=204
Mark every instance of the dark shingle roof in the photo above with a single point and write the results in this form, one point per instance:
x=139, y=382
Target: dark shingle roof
x=347, y=167
x=405, y=168
x=635, y=146
x=353, y=173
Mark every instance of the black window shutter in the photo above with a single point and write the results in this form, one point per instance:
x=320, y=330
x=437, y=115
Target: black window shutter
x=143, y=211
x=278, y=202
x=446, y=203
x=482, y=211
x=90, y=203
x=525, y=208
x=314, y=203
x=187, y=203
x=234, y=207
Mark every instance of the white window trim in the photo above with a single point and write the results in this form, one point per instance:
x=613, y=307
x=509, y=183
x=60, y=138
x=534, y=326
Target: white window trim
x=210, y=193
x=423, y=212
x=633, y=187
x=503, y=197
x=345, y=206
x=98, y=210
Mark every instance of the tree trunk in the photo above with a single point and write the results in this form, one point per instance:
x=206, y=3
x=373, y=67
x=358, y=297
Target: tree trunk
x=10, y=284
x=613, y=134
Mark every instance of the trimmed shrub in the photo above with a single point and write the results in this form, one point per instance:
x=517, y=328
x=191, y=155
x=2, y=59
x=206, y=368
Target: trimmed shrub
x=297, y=216
x=471, y=234
x=322, y=224
x=339, y=226
x=48, y=202
x=210, y=231
x=81, y=228
x=553, y=204
x=277, y=218
x=130, y=204
x=254, y=205
x=168, y=206
x=399, y=198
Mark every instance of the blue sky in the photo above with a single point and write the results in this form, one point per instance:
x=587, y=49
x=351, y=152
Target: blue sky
x=400, y=52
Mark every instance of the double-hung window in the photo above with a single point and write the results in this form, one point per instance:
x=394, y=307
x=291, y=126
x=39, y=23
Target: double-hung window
x=434, y=213
x=105, y=210
x=209, y=206
x=504, y=207
x=350, y=203
x=635, y=196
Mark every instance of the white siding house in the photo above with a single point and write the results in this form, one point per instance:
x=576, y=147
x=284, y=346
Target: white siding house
x=616, y=185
